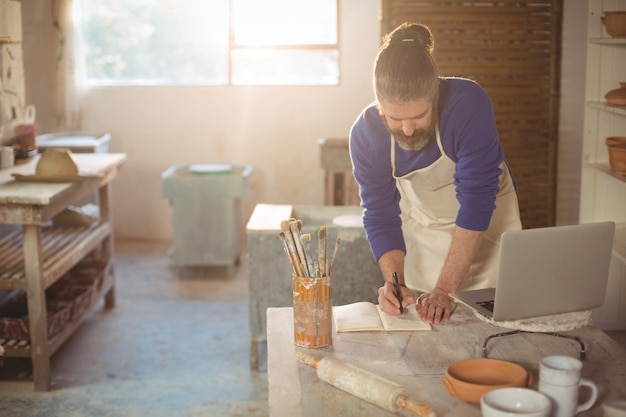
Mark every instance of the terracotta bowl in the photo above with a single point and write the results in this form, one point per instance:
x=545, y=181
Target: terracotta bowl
x=470, y=379
x=615, y=23
x=617, y=97
x=616, y=146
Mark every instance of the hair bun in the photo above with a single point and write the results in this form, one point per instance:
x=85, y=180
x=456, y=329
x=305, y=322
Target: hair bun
x=414, y=34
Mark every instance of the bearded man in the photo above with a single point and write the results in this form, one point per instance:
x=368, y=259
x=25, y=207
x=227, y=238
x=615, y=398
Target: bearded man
x=434, y=184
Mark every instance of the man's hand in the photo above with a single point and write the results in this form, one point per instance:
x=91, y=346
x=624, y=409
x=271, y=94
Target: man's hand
x=389, y=302
x=435, y=307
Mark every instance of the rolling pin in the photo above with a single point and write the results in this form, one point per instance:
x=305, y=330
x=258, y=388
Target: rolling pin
x=364, y=384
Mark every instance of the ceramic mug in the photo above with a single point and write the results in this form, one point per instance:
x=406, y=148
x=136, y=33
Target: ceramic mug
x=560, y=379
x=514, y=402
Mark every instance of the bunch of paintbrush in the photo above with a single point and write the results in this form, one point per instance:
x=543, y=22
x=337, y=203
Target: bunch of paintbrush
x=298, y=248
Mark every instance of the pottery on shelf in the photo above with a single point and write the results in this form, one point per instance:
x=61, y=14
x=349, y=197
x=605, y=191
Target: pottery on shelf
x=617, y=97
x=615, y=23
x=616, y=146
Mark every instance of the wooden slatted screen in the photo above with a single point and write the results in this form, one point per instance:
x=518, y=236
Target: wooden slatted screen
x=512, y=48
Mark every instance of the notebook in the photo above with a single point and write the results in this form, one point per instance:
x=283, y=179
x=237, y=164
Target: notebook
x=545, y=271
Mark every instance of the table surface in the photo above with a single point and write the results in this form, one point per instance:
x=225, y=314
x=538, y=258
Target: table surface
x=418, y=360
x=41, y=193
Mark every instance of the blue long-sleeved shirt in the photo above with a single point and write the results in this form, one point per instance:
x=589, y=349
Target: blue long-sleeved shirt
x=469, y=137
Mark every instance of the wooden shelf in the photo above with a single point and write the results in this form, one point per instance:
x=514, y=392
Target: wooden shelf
x=604, y=169
x=37, y=252
x=608, y=41
x=22, y=348
x=62, y=248
x=601, y=105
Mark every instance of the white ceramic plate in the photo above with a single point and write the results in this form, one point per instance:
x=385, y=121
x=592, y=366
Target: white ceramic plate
x=210, y=168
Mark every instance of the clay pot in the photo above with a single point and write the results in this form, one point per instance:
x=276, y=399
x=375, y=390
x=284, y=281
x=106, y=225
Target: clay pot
x=617, y=97
x=615, y=23
x=470, y=379
x=56, y=163
x=616, y=145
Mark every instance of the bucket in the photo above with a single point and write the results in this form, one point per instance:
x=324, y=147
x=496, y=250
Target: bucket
x=312, y=311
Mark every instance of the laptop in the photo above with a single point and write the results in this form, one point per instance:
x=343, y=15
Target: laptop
x=546, y=271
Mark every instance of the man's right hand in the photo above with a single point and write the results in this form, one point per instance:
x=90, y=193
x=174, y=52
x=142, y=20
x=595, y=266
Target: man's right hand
x=389, y=302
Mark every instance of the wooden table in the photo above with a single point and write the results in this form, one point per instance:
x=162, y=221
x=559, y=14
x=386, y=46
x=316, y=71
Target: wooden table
x=50, y=251
x=418, y=360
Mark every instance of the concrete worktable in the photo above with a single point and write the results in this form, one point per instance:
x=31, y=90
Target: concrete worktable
x=418, y=360
x=40, y=252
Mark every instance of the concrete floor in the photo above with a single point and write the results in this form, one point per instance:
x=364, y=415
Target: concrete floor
x=176, y=344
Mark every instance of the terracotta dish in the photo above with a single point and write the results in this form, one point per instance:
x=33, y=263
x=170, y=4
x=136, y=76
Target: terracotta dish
x=617, y=97
x=615, y=23
x=616, y=145
x=470, y=379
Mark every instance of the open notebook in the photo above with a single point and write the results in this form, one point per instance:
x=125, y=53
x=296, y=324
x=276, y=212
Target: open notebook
x=367, y=317
x=547, y=271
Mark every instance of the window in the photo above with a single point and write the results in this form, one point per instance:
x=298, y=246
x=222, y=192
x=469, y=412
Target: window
x=216, y=42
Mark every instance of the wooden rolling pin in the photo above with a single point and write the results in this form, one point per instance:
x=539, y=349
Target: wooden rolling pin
x=365, y=385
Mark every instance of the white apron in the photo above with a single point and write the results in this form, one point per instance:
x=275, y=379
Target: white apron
x=429, y=209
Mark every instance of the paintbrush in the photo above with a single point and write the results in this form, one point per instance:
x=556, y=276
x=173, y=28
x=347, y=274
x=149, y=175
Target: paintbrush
x=293, y=253
x=286, y=248
x=305, y=239
x=332, y=262
x=322, y=255
x=293, y=225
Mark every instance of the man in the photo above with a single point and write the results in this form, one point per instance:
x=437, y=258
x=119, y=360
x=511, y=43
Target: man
x=436, y=190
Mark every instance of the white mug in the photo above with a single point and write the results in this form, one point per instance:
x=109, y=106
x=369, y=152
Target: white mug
x=560, y=380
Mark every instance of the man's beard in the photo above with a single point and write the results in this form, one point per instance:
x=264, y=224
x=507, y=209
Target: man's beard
x=418, y=140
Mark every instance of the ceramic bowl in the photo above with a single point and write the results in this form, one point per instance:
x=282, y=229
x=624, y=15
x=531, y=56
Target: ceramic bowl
x=470, y=379
x=617, y=97
x=616, y=146
x=518, y=402
x=615, y=23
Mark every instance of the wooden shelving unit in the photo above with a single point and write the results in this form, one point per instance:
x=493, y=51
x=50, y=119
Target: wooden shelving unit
x=603, y=192
x=36, y=254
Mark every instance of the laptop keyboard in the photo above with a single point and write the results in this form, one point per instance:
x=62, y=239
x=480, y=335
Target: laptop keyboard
x=486, y=304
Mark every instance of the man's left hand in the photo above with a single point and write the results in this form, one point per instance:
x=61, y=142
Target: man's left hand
x=435, y=307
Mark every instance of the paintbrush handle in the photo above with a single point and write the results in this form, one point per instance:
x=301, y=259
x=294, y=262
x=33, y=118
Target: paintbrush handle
x=332, y=262
x=293, y=225
x=305, y=239
x=293, y=253
x=322, y=255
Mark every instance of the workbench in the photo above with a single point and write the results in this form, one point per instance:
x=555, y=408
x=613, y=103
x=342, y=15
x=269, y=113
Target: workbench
x=418, y=360
x=36, y=253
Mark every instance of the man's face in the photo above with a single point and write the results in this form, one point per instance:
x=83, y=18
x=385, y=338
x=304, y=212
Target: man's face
x=411, y=123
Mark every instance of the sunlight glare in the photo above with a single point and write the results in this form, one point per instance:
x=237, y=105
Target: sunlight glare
x=272, y=22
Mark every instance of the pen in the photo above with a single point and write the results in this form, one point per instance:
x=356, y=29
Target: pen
x=398, y=294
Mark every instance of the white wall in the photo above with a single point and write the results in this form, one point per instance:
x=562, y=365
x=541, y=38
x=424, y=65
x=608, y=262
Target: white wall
x=573, y=66
x=272, y=128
